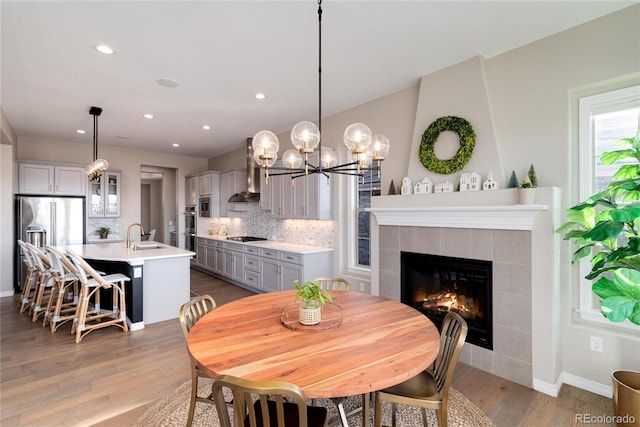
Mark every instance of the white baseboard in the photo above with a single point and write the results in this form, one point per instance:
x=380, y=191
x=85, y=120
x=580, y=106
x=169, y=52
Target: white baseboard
x=552, y=389
x=548, y=388
x=7, y=294
x=584, y=384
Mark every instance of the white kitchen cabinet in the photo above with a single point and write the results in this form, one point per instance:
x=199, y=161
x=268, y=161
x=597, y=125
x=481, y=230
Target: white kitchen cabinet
x=281, y=196
x=231, y=182
x=261, y=268
x=191, y=190
x=312, y=195
x=104, y=195
x=265, y=192
x=35, y=178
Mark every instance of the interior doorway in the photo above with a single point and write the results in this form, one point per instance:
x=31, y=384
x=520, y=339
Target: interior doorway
x=158, y=202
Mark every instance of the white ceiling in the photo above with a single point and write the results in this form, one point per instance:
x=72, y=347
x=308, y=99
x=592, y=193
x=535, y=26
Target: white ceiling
x=222, y=52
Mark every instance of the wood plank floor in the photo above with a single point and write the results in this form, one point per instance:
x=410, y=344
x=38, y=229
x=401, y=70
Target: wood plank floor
x=112, y=377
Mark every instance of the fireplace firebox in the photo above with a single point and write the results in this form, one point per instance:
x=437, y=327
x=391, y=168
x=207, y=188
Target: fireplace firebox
x=435, y=285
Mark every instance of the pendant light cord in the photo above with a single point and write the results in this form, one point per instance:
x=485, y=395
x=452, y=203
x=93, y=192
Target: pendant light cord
x=320, y=83
x=95, y=137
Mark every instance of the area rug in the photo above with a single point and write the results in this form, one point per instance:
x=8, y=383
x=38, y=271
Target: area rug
x=173, y=411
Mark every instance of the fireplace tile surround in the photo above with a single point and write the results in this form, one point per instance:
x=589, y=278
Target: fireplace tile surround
x=520, y=242
x=510, y=251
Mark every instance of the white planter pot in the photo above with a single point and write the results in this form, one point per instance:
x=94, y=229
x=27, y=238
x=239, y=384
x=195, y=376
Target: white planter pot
x=310, y=316
x=526, y=196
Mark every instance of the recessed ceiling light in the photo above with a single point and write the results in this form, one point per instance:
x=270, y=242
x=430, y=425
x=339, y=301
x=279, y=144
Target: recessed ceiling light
x=175, y=145
x=206, y=127
x=259, y=95
x=80, y=131
x=167, y=82
x=103, y=48
x=149, y=116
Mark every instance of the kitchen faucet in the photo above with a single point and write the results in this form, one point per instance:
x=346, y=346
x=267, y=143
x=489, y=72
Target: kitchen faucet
x=129, y=232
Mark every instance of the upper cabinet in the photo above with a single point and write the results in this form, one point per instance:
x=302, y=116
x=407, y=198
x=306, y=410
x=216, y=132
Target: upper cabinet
x=209, y=193
x=231, y=182
x=191, y=190
x=35, y=178
x=305, y=197
x=104, y=195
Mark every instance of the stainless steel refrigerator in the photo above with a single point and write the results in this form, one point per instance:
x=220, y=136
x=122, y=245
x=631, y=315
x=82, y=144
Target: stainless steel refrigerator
x=47, y=220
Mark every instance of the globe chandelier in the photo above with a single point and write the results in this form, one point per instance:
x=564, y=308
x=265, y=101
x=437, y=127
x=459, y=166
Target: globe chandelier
x=367, y=150
x=97, y=166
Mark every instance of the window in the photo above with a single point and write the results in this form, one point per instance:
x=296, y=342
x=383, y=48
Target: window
x=367, y=186
x=603, y=119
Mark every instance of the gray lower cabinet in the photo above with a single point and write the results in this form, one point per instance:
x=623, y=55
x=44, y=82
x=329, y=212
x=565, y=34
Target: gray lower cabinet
x=258, y=268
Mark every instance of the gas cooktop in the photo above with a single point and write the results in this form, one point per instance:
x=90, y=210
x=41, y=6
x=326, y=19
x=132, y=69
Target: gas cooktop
x=245, y=238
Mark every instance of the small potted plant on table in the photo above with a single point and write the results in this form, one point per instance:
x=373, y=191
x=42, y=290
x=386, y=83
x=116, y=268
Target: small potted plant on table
x=312, y=299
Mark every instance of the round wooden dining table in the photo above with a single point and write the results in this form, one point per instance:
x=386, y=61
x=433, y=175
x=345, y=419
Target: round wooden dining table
x=379, y=343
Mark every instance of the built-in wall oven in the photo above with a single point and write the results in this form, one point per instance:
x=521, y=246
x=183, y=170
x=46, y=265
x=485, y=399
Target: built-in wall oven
x=190, y=228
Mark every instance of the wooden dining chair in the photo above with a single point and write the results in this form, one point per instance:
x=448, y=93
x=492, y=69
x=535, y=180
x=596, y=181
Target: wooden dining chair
x=43, y=282
x=190, y=313
x=63, y=299
x=333, y=283
x=430, y=388
x=29, y=282
x=265, y=404
x=91, y=316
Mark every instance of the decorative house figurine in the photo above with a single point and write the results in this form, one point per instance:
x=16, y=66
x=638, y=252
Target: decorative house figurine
x=444, y=187
x=406, y=186
x=490, y=183
x=423, y=187
x=470, y=181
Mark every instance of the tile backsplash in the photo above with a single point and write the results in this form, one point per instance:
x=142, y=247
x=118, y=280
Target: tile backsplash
x=259, y=223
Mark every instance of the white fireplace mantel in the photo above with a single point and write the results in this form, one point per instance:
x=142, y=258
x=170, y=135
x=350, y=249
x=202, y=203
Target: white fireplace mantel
x=513, y=217
x=495, y=210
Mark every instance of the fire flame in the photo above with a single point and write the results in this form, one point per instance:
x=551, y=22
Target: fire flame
x=450, y=301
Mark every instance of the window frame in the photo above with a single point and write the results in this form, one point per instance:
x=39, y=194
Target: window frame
x=588, y=106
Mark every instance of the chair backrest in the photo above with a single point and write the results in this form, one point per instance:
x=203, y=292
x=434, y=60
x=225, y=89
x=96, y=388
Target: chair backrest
x=269, y=407
x=83, y=270
x=452, y=337
x=192, y=310
x=38, y=257
x=60, y=263
x=333, y=283
x=26, y=252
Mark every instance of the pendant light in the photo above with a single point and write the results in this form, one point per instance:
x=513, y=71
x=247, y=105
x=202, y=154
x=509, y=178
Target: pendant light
x=97, y=166
x=367, y=150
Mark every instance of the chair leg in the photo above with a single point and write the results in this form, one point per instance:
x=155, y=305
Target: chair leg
x=441, y=415
x=343, y=415
x=377, y=415
x=194, y=393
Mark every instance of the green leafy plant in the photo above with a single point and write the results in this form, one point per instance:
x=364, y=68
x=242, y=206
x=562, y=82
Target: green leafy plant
x=606, y=227
x=103, y=231
x=311, y=295
x=526, y=183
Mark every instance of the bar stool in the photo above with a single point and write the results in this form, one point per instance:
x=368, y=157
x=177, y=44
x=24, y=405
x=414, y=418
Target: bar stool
x=44, y=281
x=29, y=279
x=63, y=299
x=91, y=283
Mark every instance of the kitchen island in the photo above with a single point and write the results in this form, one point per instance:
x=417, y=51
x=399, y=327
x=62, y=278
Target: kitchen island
x=159, y=273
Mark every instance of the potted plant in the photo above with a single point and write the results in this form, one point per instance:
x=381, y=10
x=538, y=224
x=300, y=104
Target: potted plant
x=527, y=189
x=312, y=299
x=606, y=227
x=103, y=232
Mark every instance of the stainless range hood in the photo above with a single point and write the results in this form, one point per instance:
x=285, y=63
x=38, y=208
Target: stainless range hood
x=253, y=180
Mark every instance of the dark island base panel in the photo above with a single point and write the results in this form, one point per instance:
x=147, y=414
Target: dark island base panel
x=133, y=288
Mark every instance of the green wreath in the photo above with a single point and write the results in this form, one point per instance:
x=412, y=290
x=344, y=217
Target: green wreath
x=430, y=136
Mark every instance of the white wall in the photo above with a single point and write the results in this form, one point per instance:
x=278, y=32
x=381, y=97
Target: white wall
x=7, y=239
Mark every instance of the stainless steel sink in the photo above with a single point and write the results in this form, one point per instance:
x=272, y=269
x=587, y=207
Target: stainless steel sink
x=141, y=246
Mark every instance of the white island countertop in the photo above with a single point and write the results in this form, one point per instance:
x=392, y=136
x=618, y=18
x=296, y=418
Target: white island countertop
x=120, y=252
